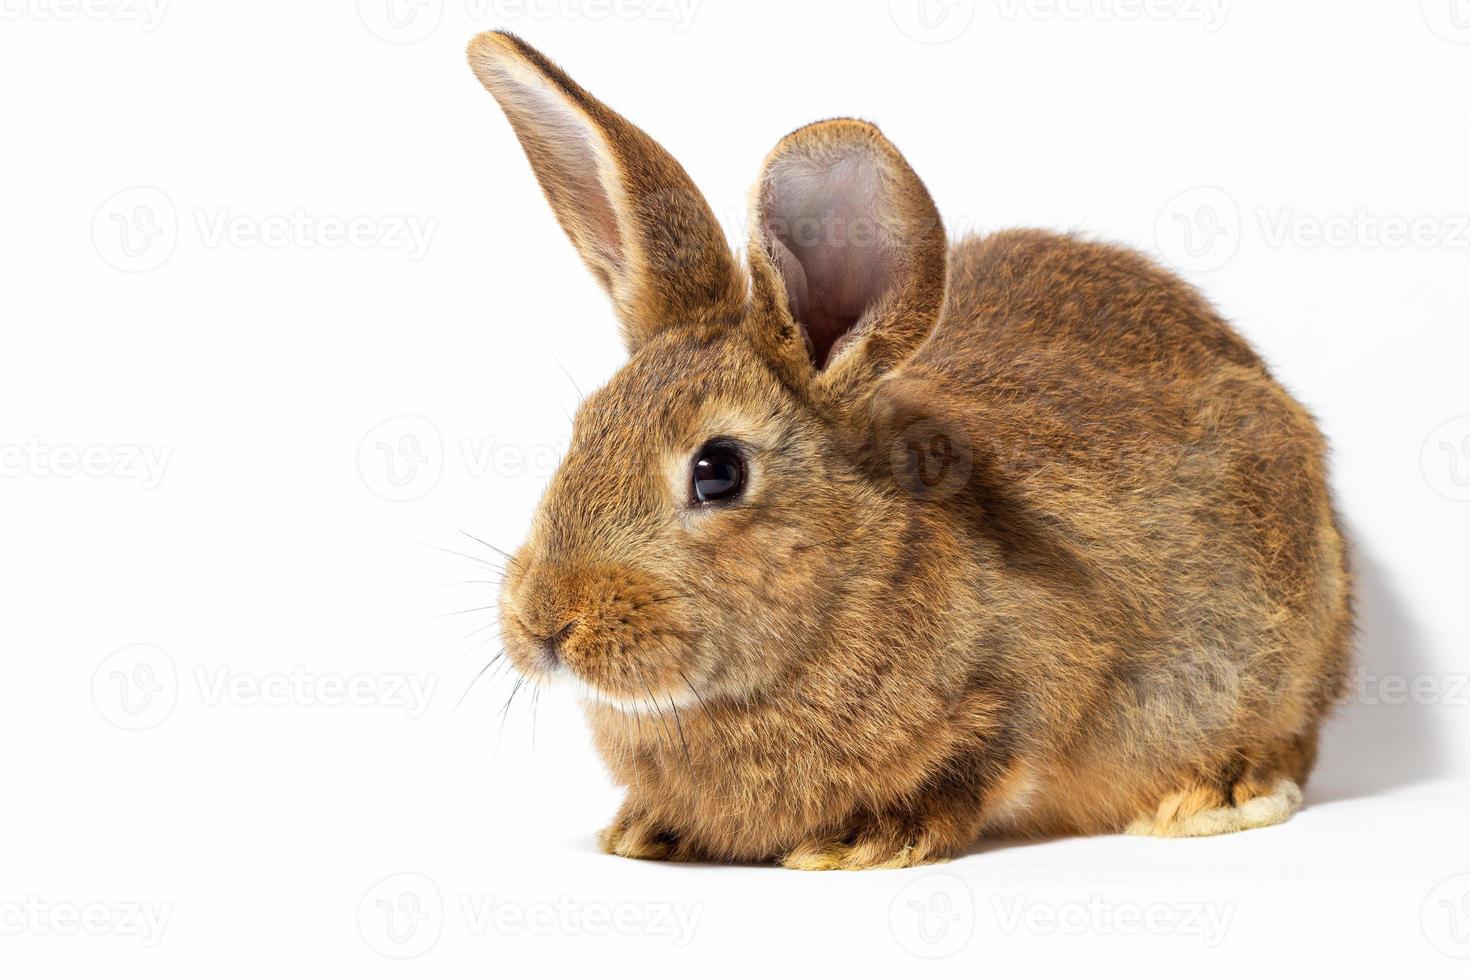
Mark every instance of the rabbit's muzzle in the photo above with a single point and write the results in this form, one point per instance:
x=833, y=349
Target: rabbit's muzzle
x=619, y=631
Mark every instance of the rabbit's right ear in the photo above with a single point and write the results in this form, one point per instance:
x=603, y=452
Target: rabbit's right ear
x=847, y=258
x=632, y=212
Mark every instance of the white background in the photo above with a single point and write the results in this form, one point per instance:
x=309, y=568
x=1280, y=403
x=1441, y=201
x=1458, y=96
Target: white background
x=228, y=436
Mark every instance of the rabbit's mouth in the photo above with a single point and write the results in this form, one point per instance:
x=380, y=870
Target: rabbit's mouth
x=647, y=680
x=619, y=636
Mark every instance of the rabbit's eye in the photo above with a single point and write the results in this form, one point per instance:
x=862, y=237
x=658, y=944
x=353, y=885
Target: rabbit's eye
x=719, y=473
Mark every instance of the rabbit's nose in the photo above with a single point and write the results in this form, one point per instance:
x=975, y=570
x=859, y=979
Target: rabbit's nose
x=552, y=642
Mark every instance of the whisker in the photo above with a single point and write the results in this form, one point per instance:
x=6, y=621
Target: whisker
x=462, y=612
x=535, y=703
x=455, y=585
x=638, y=720
x=658, y=711
x=575, y=387
x=474, y=632
x=505, y=711
x=692, y=689
x=679, y=725
x=502, y=553
x=475, y=680
x=447, y=551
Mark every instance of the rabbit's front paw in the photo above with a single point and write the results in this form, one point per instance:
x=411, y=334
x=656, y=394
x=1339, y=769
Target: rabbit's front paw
x=634, y=836
x=882, y=844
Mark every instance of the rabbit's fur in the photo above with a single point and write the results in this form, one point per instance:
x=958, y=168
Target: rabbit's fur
x=1031, y=542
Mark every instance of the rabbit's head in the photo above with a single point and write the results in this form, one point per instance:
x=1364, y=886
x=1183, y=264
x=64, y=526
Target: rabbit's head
x=731, y=489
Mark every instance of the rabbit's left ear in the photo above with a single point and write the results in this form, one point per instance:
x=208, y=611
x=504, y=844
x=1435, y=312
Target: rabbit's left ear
x=847, y=257
x=630, y=210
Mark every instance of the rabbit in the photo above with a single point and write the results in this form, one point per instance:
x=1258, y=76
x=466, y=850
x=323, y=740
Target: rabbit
x=880, y=544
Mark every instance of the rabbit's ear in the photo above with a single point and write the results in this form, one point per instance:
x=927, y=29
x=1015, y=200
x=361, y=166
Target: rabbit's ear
x=631, y=211
x=847, y=255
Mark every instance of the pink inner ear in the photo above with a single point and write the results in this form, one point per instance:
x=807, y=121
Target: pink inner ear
x=564, y=151
x=824, y=222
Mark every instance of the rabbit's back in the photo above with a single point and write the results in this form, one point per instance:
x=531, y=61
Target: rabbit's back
x=1154, y=519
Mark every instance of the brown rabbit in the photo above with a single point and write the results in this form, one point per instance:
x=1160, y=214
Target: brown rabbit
x=887, y=543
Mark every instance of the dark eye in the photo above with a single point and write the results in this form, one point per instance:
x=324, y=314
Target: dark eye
x=719, y=473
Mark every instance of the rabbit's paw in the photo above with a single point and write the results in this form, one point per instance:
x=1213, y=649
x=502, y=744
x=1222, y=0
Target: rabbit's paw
x=634, y=836
x=884, y=844
x=1200, y=812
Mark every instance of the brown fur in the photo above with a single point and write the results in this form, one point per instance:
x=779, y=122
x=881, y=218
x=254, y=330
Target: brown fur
x=1131, y=608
